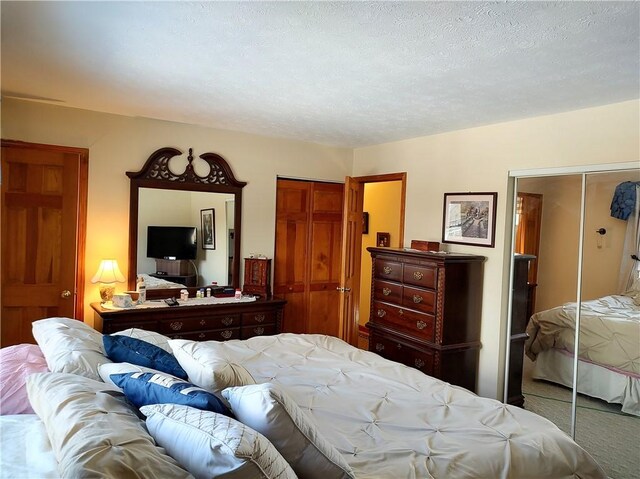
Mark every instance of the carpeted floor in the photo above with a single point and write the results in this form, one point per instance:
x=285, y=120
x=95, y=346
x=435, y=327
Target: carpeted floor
x=610, y=436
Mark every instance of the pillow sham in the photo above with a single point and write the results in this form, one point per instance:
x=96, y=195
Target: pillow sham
x=70, y=346
x=143, y=389
x=212, y=445
x=207, y=365
x=123, y=349
x=16, y=363
x=106, y=370
x=152, y=337
x=270, y=411
x=94, y=432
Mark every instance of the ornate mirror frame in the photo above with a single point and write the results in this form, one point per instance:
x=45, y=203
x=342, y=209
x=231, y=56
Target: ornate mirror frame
x=156, y=174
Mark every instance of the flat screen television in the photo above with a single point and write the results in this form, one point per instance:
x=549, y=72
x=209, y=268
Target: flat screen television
x=172, y=242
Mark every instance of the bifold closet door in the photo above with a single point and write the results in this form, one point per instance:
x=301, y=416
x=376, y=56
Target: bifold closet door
x=307, y=254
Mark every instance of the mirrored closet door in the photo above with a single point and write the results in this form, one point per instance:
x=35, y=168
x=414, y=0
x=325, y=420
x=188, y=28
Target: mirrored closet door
x=569, y=250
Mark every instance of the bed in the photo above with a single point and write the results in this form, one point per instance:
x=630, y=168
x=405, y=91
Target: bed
x=609, y=352
x=152, y=282
x=312, y=405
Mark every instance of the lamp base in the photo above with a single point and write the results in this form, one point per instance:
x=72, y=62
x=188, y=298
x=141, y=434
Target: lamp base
x=106, y=292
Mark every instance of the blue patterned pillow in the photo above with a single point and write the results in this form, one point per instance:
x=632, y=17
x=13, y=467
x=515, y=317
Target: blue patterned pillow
x=125, y=349
x=143, y=389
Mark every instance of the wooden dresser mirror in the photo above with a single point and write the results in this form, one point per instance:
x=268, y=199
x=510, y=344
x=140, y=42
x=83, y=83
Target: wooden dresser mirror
x=210, y=174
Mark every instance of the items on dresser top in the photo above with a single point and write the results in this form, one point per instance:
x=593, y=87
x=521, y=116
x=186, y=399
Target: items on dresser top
x=426, y=311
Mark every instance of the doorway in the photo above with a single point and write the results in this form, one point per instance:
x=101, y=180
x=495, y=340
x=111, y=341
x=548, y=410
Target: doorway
x=354, y=287
x=44, y=205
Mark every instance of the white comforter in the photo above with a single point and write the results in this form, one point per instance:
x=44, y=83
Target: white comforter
x=392, y=421
x=609, y=332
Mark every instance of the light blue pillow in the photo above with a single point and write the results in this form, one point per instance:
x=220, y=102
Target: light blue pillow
x=125, y=349
x=143, y=389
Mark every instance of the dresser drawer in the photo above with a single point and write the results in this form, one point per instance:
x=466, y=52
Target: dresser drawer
x=419, y=324
x=387, y=291
x=258, y=318
x=388, y=270
x=421, y=299
x=251, y=331
x=178, y=325
x=423, y=276
x=210, y=335
x=390, y=348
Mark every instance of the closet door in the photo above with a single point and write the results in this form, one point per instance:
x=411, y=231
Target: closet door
x=307, y=254
x=547, y=374
x=607, y=406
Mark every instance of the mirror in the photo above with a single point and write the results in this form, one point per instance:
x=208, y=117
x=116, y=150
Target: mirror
x=172, y=190
x=576, y=255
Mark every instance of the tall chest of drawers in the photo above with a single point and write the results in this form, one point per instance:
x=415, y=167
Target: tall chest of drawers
x=426, y=311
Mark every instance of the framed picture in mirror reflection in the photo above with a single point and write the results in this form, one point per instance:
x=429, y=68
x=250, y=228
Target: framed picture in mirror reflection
x=207, y=217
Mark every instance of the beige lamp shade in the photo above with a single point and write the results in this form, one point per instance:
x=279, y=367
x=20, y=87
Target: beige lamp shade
x=108, y=272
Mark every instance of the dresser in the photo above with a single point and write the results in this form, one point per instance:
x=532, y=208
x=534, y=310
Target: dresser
x=426, y=311
x=219, y=322
x=520, y=314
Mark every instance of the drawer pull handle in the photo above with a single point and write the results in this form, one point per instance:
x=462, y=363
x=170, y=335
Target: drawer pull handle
x=226, y=334
x=386, y=291
x=202, y=322
x=387, y=270
x=379, y=347
x=417, y=299
x=419, y=363
x=176, y=325
x=202, y=335
x=258, y=330
x=259, y=318
x=400, y=312
x=398, y=345
x=227, y=321
x=418, y=275
x=381, y=313
x=421, y=325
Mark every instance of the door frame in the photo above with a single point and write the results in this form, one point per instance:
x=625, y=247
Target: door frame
x=81, y=221
x=353, y=245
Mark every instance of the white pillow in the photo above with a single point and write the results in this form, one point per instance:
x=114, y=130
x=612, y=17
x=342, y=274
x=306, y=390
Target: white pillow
x=107, y=369
x=94, y=431
x=152, y=337
x=271, y=412
x=208, y=366
x=210, y=445
x=70, y=346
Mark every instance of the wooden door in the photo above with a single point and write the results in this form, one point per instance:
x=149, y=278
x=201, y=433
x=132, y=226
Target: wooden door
x=325, y=236
x=529, y=214
x=43, y=229
x=351, y=258
x=307, y=254
x=291, y=259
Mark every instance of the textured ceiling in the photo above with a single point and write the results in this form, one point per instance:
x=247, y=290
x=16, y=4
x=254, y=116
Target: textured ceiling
x=348, y=74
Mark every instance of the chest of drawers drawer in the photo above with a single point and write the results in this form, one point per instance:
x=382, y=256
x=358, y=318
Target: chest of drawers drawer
x=260, y=318
x=169, y=326
x=394, y=350
x=210, y=335
x=258, y=330
x=419, y=324
x=418, y=275
x=387, y=291
x=421, y=299
x=388, y=270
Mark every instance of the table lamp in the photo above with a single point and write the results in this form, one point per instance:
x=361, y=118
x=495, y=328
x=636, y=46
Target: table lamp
x=108, y=274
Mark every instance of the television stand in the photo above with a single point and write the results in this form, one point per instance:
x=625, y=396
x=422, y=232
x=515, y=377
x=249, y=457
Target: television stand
x=188, y=280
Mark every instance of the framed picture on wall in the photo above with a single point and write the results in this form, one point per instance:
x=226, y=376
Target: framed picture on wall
x=470, y=218
x=383, y=239
x=208, y=219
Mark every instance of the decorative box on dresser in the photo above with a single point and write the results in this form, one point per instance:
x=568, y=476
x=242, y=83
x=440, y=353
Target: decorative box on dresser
x=218, y=322
x=426, y=311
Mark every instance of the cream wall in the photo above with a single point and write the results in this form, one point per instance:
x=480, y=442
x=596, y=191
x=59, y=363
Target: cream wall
x=479, y=159
x=383, y=202
x=118, y=144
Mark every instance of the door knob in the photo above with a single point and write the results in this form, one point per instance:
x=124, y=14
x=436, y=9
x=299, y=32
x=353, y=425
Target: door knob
x=343, y=290
x=65, y=294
